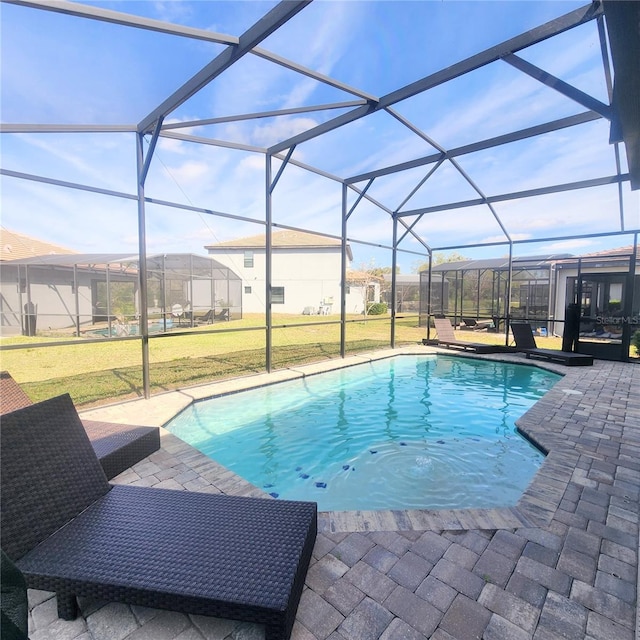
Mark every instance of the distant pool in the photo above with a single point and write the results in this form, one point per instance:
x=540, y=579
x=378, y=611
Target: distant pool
x=131, y=329
x=409, y=432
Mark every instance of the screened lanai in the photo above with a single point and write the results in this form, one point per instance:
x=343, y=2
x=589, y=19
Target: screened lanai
x=407, y=130
x=485, y=294
x=97, y=295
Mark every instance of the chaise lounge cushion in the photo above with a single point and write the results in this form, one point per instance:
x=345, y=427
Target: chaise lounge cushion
x=526, y=343
x=447, y=338
x=118, y=446
x=71, y=532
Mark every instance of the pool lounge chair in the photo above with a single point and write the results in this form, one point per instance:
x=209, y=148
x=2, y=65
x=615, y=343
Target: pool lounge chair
x=526, y=343
x=118, y=446
x=447, y=338
x=69, y=531
x=205, y=318
x=222, y=315
x=476, y=325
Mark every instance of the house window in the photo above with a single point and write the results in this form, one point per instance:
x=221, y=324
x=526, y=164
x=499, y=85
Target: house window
x=247, y=289
x=277, y=295
x=248, y=259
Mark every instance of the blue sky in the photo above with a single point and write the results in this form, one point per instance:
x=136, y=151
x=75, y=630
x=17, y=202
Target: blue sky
x=63, y=70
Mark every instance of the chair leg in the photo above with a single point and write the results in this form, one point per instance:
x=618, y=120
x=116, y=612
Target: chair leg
x=67, y=606
x=276, y=631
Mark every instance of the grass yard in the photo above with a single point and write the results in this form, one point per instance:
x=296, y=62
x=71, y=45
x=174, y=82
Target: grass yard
x=96, y=373
x=99, y=372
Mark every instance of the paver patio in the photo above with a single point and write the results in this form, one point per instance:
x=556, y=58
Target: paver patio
x=563, y=563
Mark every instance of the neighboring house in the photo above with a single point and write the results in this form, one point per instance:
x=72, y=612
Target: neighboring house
x=305, y=273
x=362, y=289
x=18, y=307
x=14, y=246
x=44, y=287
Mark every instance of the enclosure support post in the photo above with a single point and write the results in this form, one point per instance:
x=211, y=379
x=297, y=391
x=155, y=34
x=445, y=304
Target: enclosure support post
x=507, y=299
x=343, y=275
x=455, y=322
x=267, y=266
x=76, y=299
x=20, y=297
x=142, y=266
x=627, y=310
x=394, y=261
x=578, y=300
x=108, y=283
x=189, y=311
x=429, y=294
x=455, y=305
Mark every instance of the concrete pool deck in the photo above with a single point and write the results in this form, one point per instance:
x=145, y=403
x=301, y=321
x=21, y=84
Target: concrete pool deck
x=562, y=563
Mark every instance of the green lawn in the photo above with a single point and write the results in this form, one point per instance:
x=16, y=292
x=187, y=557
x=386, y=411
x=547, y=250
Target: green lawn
x=95, y=373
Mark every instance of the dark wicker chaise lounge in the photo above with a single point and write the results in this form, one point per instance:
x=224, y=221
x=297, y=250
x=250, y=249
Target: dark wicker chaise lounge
x=526, y=343
x=69, y=531
x=447, y=338
x=118, y=446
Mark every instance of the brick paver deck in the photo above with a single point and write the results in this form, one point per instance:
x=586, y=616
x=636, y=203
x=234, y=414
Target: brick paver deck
x=563, y=563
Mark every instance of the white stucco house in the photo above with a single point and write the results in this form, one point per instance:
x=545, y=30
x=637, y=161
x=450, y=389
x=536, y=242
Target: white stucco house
x=306, y=273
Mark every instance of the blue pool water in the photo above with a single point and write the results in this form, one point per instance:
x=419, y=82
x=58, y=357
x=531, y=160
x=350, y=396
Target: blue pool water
x=401, y=433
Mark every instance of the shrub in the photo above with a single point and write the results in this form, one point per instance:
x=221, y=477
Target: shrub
x=635, y=341
x=377, y=309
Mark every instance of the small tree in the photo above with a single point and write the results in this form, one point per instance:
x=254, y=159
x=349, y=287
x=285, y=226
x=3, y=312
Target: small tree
x=377, y=309
x=635, y=341
x=439, y=258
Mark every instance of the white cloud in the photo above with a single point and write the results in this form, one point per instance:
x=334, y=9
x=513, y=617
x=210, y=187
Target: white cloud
x=501, y=238
x=280, y=129
x=190, y=173
x=570, y=246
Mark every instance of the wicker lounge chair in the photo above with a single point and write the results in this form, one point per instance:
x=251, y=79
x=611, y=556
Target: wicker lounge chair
x=526, y=343
x=447, y=338
x=118, y=446
x=69, y=531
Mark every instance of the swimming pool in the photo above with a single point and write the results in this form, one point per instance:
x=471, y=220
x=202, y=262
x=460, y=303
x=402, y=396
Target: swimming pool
x=406, y=432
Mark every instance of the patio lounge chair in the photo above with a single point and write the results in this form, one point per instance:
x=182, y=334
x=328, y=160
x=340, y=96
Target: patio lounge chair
x=69, y=531
x=526, y=343
x=118, y=446
x=223, y=315
x=447, y=338
x=205, y=318
x=476, y=325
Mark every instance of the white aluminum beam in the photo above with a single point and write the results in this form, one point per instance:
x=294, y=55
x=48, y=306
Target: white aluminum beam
x=67, y=128
x=272, y=21
x=559, y=85
x=293, y=66
x=262, y=114
x=523, y=134
x=539, y=34
x=517, y=195
x=124, y=19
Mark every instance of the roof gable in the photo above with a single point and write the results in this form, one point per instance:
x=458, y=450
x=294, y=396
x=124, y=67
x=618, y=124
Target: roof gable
x=281, y=239
x=284, y=239
x=15, y=246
